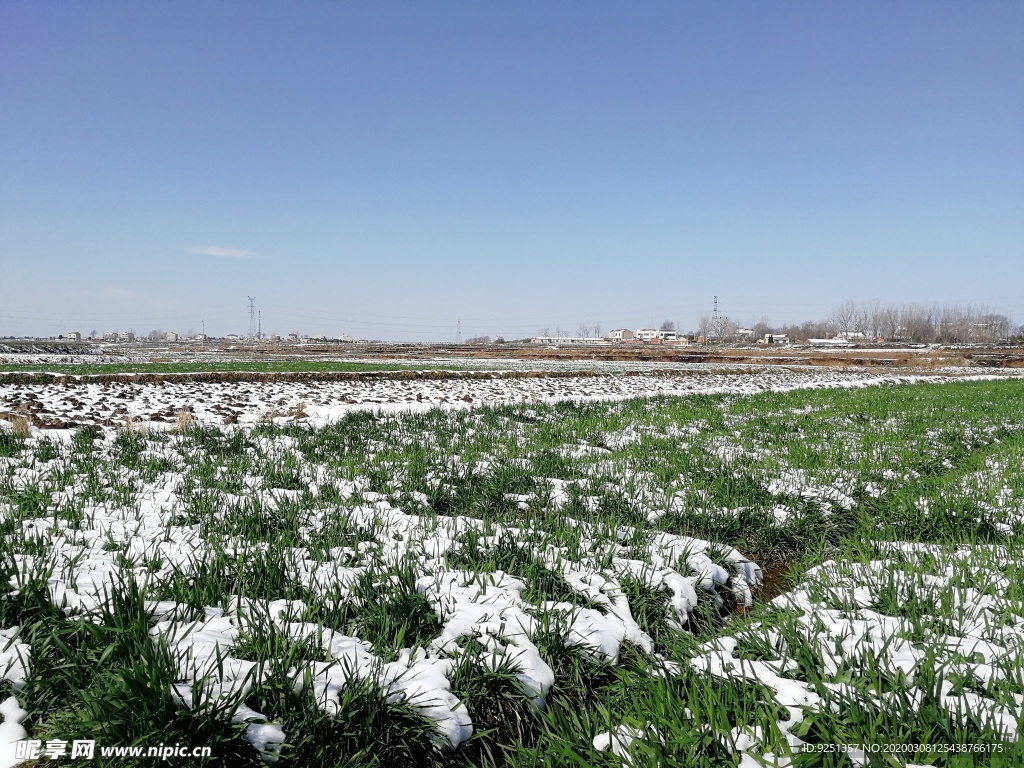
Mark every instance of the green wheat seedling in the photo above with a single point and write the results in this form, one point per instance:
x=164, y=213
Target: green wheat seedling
x=898, y=505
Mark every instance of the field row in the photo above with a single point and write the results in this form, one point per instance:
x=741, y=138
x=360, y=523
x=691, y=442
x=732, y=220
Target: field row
x=163, y=404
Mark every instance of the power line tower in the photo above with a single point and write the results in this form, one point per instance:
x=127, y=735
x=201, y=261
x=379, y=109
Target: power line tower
x=252, y=318
x=259, y=327
x=458, y=332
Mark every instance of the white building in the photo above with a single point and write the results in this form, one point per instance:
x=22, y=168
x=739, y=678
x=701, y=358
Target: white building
x=171, y=336
x=568, y=340
x=127, y=336
x=646, y=334
x=621, y=334
x=829, y=343
x=73, y=336
x=775, y=338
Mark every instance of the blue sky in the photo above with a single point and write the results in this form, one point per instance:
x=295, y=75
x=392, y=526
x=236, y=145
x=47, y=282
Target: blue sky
x=387, y=169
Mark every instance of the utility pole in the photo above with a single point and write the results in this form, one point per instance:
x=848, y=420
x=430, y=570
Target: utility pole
x=714, y=319
x=204, y=332
x=259, y=332
x=458, y=332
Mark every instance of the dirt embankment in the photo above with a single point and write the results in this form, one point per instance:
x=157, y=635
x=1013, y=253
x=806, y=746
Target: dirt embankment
x=878, y=355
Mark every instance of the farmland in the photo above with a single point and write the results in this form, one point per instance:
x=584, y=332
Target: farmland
x=518, y=571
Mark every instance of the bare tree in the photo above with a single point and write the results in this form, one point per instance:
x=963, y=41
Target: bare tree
x=844, y=316
x=705, y=327
x=583, y=330
x=762, y=327
x=918, y=323
x=667, y=325
x=597, y=330
x=544, y=332
x=887, y=322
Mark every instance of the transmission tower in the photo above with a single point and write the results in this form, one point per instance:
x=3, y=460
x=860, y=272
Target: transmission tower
x=252, y=318
x=259, y=328
x=718, y=324
x=458, y=332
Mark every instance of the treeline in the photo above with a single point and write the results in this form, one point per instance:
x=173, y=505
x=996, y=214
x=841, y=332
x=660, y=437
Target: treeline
x=918, y=323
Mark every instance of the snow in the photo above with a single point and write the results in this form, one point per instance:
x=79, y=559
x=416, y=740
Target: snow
x=11, y=731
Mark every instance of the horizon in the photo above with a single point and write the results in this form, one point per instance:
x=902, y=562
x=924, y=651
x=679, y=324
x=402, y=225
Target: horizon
x=395, y=172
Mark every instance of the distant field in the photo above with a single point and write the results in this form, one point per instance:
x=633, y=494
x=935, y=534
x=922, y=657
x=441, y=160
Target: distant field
x=269, y=366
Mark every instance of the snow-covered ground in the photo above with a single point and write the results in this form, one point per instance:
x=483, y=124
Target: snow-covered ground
x=920, y=626
x=914, y=628
x=145, y=537
x=45, y=359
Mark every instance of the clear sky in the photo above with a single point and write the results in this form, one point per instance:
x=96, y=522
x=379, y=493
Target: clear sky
x=387, y=169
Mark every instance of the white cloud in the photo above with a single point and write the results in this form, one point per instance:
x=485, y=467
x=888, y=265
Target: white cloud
x=221, y=252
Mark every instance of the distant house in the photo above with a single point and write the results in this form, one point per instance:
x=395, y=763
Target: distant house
x=293, y=337
x=127, y=336
x=775, y=338
x=667, y=336
x=110, y=336
x=170, y=336
x=744, y=333
x=73, y=336
x=621, y=334
x=646, y=334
